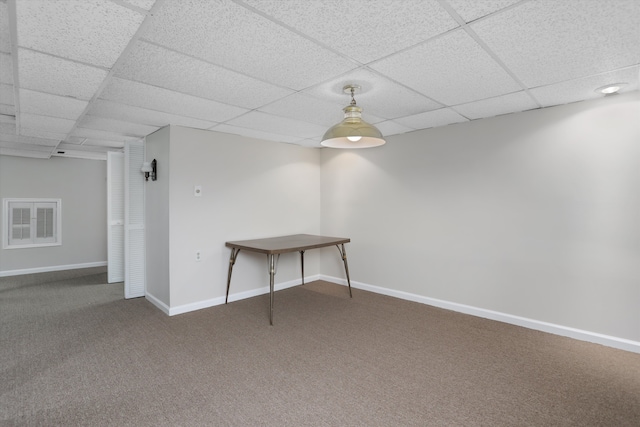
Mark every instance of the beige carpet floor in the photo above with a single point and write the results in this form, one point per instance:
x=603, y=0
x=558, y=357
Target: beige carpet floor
x=74, y=353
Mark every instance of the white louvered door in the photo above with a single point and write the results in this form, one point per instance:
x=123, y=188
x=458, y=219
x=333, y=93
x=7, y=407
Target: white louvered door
x=115, y=220
x=134, y=241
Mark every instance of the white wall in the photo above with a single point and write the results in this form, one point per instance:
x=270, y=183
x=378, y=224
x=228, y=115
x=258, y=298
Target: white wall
x=157, y=218
x=250, y=189
x=534, y=214
x=82, y=186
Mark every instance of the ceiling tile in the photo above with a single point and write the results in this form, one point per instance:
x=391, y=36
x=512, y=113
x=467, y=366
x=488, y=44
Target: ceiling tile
x=144, y=116
x=51, y=105
x=379, y=97
x=23, y=146
x=253, y=133
x=102, y=135
x=148, y=63
x=116, y=126
x=45, y=134
x=510, y=103
x=74, y=140
x=155, y=98
x=444, y=116
x=6, y=94
x=25, y=153
x=391, y=127
x=61, y=77
x=452, y=69
x=8, y=110
x=7, y=118
x=84, y=147
x=310, y=143
x=472, y=10
x=142, y=4
x=300, y=106
x=101, y=143
x=7, y=128
x=6, y=69
x=584, y=88
x=362, y=29
x=547, y=42
x=91, y=31
x=28, y=140
x=278, y=125
x=5, y=40
x=51, y=124
x=257, y=47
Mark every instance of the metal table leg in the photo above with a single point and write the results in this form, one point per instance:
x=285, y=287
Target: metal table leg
x=232, y=260
x=272, y=273
x=302, y=263
x=343, y=253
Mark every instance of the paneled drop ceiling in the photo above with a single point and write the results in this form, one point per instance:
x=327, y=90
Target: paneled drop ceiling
x=81, y=77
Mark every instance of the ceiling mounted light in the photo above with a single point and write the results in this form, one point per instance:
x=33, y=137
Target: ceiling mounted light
x=352, y=131
x=612, y=88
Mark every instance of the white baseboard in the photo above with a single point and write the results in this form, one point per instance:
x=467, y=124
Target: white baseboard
x=8, y=273
x=172, y=311
x=579, y=334
x=155, y=301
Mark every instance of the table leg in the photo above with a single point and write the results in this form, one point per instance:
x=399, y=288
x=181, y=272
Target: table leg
x=343, y=253
x=232, y=260
x=272, y=273
x=302, y=263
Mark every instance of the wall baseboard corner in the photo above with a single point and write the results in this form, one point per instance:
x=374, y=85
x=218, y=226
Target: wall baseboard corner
x=159, y=304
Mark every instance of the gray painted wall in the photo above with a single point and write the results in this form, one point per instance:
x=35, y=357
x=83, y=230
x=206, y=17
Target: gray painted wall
x=157, y=218
x=250, y=189
x=534, y=214
x=82, y=186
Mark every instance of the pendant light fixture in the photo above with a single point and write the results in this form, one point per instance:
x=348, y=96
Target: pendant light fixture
x=352, y=131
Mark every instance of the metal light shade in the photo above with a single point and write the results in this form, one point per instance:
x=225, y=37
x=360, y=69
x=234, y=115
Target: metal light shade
x=352, y=132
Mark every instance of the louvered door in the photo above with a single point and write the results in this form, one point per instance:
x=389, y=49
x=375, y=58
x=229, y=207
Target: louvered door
x=134, y=240
x=115, y=220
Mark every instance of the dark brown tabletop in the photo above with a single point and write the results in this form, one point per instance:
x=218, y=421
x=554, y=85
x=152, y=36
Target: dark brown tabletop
x=283, y=244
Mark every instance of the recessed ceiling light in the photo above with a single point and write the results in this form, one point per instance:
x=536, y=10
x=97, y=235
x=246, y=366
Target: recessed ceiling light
x=609, y=89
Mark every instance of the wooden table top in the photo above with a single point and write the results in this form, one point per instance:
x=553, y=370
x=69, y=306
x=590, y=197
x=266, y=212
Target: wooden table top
x=283, y=244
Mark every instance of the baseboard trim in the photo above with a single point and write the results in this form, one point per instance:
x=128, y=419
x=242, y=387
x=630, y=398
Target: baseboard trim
x=199, y=305
x=8, y=273
x=579, y=334
x=155, y=301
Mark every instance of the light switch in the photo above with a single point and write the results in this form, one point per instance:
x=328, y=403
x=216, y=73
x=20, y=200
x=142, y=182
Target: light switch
x=197, y=191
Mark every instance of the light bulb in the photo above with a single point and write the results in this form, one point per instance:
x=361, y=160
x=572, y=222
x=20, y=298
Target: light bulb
x=354, y=138
x=611, y=89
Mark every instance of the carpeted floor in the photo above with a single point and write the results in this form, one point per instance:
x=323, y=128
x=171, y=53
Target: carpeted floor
x=73, y=352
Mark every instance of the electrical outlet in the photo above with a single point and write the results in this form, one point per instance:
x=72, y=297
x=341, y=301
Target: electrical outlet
x=198, y=256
